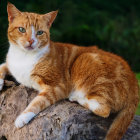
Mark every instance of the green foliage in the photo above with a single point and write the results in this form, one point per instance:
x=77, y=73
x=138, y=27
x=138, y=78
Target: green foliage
x=112, y=25
x=138, y=109
x=138, y=77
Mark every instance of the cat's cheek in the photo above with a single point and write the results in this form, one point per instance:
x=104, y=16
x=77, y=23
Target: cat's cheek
x=1, y=84
x=24, y=118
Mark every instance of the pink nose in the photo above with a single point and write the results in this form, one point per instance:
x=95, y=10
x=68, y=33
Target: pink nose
x=31, y=41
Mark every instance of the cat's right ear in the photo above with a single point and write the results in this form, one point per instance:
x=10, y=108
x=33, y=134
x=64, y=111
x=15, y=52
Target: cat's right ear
x=12, y=12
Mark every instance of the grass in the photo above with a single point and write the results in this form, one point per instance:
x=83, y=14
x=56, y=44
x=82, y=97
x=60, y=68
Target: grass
x=138, y=109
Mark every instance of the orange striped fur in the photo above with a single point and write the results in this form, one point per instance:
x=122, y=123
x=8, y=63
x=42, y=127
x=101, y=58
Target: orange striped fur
x=98, y=80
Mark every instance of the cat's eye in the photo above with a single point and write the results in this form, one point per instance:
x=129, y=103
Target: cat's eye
x=22, y=30
x=40, y=32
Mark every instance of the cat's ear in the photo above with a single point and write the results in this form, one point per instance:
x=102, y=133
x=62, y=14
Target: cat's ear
x=50, y=17
x=12, y=12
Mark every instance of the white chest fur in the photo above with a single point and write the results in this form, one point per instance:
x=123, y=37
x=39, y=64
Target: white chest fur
x=21, y=64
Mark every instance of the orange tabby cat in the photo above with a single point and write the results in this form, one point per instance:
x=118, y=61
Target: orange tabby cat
x=97, y=80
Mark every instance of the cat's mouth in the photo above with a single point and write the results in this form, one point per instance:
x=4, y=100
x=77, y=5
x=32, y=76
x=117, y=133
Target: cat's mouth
x=29, y=47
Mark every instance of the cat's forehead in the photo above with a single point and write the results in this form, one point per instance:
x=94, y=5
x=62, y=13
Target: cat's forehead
x=30, y=19
x=31, y=16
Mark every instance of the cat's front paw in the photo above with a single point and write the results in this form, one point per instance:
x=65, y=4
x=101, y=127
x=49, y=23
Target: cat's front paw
x=24, y=118
x=1, y=84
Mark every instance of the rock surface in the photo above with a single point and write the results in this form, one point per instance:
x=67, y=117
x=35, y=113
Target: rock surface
x=61, y=121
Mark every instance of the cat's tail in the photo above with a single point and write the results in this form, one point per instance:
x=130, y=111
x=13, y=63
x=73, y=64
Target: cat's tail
x=121, y=122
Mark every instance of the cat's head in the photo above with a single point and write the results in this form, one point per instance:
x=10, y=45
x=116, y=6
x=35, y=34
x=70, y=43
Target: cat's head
x=29, y=31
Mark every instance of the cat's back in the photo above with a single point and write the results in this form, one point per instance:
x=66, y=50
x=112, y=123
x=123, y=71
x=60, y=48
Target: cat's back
x=101, y=55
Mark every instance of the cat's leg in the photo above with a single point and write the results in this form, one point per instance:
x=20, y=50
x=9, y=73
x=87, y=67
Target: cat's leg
x=39, y=103
x=3, y=72
x=48, y=96
x=91, y=88
x=96, y=104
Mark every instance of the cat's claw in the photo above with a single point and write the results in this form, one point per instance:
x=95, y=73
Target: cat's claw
x=23, y=119
x=1, y=84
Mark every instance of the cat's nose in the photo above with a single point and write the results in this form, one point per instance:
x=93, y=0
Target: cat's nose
x=31, y=41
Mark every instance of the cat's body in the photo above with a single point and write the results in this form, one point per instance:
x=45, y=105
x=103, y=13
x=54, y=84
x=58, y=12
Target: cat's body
x=97, y=80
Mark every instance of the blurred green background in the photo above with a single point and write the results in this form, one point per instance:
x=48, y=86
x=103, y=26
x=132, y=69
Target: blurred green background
x=113, y=25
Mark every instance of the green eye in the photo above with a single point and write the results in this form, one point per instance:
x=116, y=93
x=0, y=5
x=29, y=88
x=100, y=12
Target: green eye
x=40, y=32
x=22, y=30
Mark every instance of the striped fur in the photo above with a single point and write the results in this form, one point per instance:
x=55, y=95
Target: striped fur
x=98, y=80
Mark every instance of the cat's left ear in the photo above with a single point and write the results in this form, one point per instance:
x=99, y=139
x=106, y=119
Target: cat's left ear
x=12, y=12
x=50, y=17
